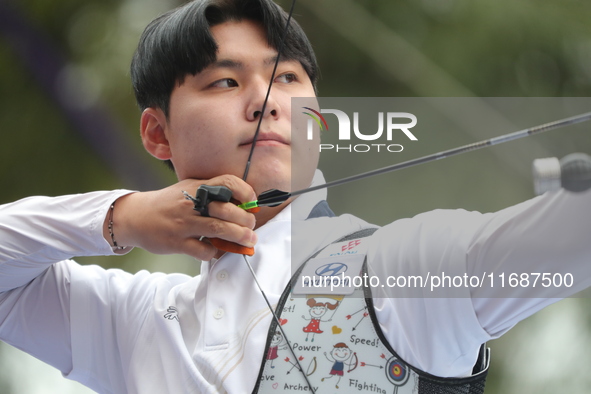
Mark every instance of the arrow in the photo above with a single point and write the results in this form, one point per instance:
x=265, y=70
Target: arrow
x=360, y=320
x=354, y=313
x=275, y=197
x=293, y=364
x=363, y=364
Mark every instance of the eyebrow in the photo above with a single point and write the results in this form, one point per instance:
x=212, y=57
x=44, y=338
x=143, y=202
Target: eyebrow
x=233, y=64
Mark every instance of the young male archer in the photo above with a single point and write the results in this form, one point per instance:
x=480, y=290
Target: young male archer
x=200, y=74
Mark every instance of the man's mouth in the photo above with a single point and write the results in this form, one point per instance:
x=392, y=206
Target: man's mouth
x=267, y=139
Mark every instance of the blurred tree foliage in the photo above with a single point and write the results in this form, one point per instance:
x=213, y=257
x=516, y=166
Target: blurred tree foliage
x=373, y=48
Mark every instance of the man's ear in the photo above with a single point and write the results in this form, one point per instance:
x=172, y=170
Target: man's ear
x=153, y=127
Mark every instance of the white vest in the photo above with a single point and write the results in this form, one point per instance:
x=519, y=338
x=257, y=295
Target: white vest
x=336, y=343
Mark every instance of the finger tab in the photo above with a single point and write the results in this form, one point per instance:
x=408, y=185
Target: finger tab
x=231, y=247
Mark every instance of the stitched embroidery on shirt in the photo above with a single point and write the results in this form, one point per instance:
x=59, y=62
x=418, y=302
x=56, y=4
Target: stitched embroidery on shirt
x=172, y=313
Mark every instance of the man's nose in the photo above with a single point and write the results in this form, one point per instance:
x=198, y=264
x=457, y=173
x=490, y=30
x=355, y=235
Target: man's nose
x=257, y=102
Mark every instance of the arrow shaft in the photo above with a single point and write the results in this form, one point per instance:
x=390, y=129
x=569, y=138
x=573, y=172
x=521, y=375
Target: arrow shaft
x=454, y=151
x=359, y=322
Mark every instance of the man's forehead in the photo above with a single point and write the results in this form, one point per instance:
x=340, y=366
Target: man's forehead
x=241, y=42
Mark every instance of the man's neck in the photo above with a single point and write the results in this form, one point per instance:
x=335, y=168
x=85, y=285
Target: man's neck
x=268, y=213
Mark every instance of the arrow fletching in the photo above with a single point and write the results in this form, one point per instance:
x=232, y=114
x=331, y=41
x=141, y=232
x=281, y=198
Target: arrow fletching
x=270, y=198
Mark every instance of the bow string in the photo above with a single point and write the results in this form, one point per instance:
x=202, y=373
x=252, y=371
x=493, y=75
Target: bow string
x=246, y=170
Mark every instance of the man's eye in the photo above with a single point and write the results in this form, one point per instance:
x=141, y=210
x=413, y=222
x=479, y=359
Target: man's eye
x=225, y=83
x=286, y=78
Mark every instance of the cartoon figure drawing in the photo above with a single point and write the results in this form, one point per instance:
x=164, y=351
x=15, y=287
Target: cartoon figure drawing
x=317, y=310
x=276, y=341
x=340, y=355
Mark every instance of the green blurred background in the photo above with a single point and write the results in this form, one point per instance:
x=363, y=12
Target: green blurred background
x=70, y=125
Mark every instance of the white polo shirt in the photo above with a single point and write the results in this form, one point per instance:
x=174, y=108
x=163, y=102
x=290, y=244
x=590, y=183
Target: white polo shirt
x=157, y=333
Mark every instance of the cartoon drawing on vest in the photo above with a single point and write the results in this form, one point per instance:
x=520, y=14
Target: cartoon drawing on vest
x=317, y=311
x=277, y=342
x=340, y=356
x=397, y=372
x=365, y=314
x=312, y=367
x=293, y=364
x=366, y=364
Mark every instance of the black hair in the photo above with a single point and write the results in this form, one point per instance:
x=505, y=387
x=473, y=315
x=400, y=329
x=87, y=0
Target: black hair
x=179, y=43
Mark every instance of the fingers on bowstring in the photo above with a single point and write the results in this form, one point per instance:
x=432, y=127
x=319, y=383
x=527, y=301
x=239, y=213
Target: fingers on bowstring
x=241, y=190
x=201, y=250
x=231, y=213
x=216, y=228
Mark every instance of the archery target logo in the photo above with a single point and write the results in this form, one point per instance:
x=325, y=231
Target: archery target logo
x=397, y=372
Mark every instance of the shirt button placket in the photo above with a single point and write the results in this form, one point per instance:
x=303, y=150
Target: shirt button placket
x=221, y=276
x=218, y=329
